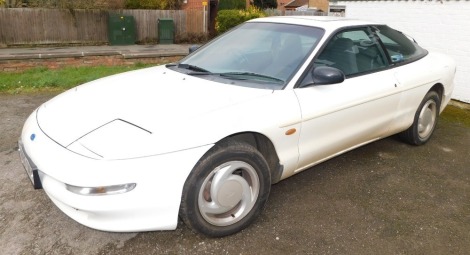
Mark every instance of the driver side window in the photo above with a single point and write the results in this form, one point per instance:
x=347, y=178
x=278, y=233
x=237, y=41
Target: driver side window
x=353, y=52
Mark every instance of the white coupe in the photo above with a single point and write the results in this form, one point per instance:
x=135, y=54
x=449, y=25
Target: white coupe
x=205, y=138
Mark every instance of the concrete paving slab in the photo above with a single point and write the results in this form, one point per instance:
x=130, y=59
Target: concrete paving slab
x=127, y=51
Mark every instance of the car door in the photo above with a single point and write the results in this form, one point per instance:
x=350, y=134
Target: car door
x=339, y=117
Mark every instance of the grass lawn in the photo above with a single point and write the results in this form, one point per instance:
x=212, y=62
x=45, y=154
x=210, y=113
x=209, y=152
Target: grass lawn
x=44, y=79
x=454, y=114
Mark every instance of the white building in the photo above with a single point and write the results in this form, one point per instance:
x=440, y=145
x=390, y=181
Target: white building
x=442, y=26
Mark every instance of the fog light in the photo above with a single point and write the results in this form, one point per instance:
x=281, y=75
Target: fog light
x=102, y=190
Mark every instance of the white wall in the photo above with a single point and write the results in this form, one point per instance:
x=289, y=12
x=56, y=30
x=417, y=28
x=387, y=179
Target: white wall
x=442, y=26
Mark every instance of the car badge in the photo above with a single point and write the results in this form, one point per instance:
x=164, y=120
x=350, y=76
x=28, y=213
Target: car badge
x=32, y=137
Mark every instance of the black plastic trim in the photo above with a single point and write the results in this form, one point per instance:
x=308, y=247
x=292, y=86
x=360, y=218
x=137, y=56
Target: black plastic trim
x=384, y=51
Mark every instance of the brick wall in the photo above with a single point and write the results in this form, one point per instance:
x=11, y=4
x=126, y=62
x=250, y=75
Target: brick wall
x=442, y=26
x=282, y=3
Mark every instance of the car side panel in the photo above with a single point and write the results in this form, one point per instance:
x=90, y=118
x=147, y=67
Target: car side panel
x=272, y=116
x=415, y=79
x=339, y=117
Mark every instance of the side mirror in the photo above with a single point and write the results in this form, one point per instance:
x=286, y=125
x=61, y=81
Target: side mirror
x=325, y=75
x=193, y=48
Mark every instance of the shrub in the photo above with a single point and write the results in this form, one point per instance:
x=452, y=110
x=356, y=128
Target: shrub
x=265, y=4
x=227, y=19
x=189, y=37
x=153, y=4
x=231, y=4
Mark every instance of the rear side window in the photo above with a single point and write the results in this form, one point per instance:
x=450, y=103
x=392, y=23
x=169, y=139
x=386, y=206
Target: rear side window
x=354, y=52
x=398, y=46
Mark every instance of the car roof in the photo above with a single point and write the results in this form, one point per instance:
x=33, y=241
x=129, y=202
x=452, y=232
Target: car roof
x=329, y=23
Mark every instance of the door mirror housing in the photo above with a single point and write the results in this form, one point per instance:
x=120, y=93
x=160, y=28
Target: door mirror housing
x=322, y=75
x=193, y=48
x=326, y=75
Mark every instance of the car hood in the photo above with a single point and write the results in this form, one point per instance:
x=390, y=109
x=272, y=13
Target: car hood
x=156, y=103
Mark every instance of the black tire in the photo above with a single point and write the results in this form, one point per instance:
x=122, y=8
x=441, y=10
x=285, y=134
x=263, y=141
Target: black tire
x=425, y=120
x=217, y=182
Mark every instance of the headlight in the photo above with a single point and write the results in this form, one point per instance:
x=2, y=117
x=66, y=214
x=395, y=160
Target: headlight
x=102, y=190
x=117, y=139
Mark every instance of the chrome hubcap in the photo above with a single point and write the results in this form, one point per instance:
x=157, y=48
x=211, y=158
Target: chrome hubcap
x=228, y=193
x=427, y=119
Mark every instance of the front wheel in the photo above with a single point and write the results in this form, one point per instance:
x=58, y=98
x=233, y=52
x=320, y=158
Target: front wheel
x=425, y=120
x=227, y=189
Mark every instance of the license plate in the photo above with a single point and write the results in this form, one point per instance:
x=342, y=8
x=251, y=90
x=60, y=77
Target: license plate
x=30, y=167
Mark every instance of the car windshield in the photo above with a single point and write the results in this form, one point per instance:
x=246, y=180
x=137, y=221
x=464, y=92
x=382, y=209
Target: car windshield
x=256, y=53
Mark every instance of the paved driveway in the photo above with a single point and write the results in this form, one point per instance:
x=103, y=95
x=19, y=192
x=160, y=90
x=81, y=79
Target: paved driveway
x=384, y=198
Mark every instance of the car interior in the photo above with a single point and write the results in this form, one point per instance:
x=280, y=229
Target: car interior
x=352, y=55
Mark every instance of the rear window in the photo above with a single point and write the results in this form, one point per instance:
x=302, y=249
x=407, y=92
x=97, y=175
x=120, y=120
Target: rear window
x=399, y=47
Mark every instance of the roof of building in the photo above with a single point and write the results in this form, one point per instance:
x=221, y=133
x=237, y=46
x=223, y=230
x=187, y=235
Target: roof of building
x=296, y=3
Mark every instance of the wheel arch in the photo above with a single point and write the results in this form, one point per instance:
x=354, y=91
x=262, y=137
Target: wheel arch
x=265, y=146
x=439, y=89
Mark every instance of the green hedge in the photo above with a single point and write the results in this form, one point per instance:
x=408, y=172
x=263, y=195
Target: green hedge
x=153, y=4
x=231, y=4
x=227, y=19
x=265, y=4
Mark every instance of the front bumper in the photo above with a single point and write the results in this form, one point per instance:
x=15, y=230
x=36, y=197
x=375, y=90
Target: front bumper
x=152, y=205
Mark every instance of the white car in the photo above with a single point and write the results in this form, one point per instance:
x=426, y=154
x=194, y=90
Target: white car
x=204, y=139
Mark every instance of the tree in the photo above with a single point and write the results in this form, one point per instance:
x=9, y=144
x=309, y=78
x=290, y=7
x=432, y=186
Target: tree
x=98, y=4
x=153, y=4
x=265, y=4
x=232, y=4
x=73, y=4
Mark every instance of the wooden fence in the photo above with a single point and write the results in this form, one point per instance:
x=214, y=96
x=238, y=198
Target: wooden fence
x=20, y=26
x=189, y=21
x=62, y=26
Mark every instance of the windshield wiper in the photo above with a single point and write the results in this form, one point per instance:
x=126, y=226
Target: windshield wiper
x=251, y=75
x=193, y=67
x=241, y=76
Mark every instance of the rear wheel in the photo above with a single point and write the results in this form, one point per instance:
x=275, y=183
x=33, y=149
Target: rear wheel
x=425, y=120
x=227, y=190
